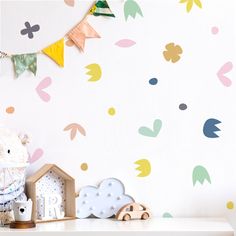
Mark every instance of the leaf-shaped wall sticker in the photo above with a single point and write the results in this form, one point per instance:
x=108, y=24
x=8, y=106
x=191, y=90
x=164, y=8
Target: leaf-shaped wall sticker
x=38, y=153
x=74, y=127
x=70, y=3
x=125, y=43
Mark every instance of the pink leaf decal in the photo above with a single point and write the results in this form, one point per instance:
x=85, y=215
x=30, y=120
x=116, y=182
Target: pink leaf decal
x=125, y=43
x=70, y=3
x=43, y=85
x=38, y=153
x=227, y=67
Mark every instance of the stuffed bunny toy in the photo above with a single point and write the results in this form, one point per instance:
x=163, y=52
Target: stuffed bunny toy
x=13, y=162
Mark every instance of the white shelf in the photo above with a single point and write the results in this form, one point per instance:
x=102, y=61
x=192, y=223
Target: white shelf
x=111, y=227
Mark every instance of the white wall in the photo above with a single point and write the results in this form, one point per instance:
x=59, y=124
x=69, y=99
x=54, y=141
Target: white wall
x=112, y=143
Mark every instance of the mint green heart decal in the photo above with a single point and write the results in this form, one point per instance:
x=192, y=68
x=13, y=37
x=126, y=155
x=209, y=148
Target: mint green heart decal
x=145, y=131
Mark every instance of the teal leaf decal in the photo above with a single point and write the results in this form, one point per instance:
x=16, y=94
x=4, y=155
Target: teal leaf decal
x=200, y=174
x=145, y=131
x=131, y=8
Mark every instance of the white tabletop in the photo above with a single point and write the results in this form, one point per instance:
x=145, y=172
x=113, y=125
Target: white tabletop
x=155, y=226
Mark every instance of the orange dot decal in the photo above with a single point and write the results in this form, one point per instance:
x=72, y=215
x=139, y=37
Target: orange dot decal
x=10, y=110
x=84, y=166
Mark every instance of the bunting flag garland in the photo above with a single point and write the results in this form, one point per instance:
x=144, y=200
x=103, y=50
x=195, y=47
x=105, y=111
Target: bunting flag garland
x=56, y=52
x=3, y=54
x=82, y=31
x=24, y=62
x=101, y=8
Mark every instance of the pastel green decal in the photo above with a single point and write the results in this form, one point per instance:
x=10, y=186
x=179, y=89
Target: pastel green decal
x=167, y=215
x=200, y=174
x=24, y=62
x=131, y=8
x=145, y=131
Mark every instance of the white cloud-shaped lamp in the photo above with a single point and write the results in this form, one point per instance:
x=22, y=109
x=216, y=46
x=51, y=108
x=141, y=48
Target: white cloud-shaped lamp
x=103, y=201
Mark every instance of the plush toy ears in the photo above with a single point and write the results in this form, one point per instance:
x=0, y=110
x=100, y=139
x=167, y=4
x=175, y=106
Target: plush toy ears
x=24, y=138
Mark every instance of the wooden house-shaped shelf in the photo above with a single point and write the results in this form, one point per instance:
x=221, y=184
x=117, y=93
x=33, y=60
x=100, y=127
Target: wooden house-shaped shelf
x=51, y=180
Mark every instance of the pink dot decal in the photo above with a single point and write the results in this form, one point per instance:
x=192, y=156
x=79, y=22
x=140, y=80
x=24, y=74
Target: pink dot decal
x=214, y=30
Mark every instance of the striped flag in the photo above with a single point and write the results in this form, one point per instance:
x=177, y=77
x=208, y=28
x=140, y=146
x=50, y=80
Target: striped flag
x=101, y=8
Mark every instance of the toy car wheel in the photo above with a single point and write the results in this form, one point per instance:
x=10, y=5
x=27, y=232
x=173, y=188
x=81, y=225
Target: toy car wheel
x=145, y=216
x=126, y=217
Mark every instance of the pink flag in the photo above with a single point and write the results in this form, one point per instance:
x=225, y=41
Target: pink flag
x=81, y=32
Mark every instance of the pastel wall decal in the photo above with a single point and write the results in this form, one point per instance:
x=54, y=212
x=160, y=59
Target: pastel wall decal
x=183, y=106
x=145, y=131
x=227, y=67
x=111, y=111
x=84, y=166
x=210, y=128
x=131, y=8
x=10, y=110
x=73, y=127
x=95, y=72
x=45, y=83
x=29, y=30
x=69, y=43
x=144, y=166
x=172, y=52
x=153, y=81
x=125, y=43
x=214, y=30
x=167, y=215
x=230, y=205
x=103, y=201
x=189, y=4
x=38, y=153
x=200, y=174
x=70, y=3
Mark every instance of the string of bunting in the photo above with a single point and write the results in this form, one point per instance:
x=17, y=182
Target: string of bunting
x=55, y=51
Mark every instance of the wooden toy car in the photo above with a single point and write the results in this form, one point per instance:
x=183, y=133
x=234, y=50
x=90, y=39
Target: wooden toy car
x=133, y=211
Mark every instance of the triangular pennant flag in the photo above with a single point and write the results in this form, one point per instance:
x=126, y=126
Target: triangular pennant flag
x=56, y=52
x=101, y=8
x=82, y=31
x=24, y=62
x=3, y=54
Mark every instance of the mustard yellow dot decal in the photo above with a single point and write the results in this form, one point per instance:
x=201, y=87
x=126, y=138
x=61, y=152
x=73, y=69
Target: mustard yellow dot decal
x=111, y=111
x=230, y=205
x=84, y=166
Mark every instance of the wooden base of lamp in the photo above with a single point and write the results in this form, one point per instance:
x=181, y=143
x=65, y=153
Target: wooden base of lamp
x=22, y=224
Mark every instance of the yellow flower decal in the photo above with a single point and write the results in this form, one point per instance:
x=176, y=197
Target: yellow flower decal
x=92, y=10
x=172, y=52
x=189, y=4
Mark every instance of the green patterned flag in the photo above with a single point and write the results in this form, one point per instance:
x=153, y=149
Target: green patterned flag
x=101, y=8
x=24, y=62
